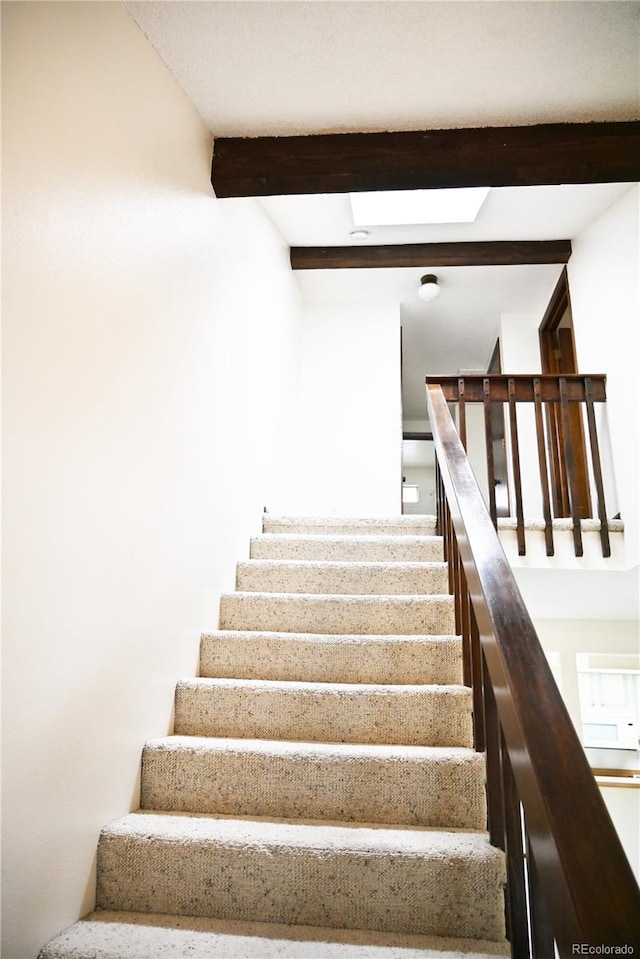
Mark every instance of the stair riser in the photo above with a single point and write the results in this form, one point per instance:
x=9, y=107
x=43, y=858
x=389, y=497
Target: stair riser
x=421, y=716
x=315, y=786
x=405, y=549
x=329, y=887
x=330, y=615
x=331, y=659
x=339, y=578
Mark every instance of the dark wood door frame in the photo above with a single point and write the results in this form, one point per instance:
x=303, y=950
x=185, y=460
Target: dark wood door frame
x=558, y=356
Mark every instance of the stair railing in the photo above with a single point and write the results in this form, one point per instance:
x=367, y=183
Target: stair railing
x=569, y=883
x=569, y=483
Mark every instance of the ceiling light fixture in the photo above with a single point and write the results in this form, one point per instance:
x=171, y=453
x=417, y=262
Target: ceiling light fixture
x=359, y=234
x=429, y=288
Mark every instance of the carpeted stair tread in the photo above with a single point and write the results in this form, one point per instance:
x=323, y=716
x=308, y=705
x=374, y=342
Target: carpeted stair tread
x=323, y=657
x=330, y=525
x=130, y=935
x=348, y=548
x=336, y=577
x=410, y=880
x=426, y=715
x=320, y=797
x=317, y=613
x=424, y=786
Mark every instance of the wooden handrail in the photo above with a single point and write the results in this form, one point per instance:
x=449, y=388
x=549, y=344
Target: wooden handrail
x=524, y=387
x=581, y=886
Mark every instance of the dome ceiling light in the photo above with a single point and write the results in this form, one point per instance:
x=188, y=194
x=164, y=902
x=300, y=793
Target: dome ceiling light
x=429, y=288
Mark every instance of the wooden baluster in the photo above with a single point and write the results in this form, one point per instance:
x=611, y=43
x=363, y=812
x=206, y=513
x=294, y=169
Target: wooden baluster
x=457, y=587
x=438, y=491
x=467, y=666
x=450, y=555
x=462, y=412
x=491, y=476
x=597, y=468
x=542, y=939
x=465, y=622
x=542, y=462
x=571, y=468
x=475, y=650
x=515, y=460
x=517, y=920
x=495, y=809
x=443, y=519
x=465, y=631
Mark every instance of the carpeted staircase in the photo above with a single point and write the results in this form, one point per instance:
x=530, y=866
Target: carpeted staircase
x=320, y=797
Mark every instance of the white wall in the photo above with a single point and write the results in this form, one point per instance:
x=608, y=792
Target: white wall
x=566, y=639
x=350, y=419
x=150, y=338
x=477, y=447
x=520, y=350
x=604, y=283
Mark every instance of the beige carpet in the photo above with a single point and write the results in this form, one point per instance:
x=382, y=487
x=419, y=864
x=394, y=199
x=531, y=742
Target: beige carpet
x=320, y=797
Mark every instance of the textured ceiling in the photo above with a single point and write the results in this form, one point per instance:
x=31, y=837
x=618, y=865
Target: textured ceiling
x=271, y=67
x=264, y=67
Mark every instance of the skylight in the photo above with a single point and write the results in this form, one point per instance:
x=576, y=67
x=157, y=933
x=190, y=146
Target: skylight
x=417, y=207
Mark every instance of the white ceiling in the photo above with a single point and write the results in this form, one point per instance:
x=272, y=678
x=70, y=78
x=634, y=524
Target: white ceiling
x=459, y=329
x=316, y=66
x=266, y=67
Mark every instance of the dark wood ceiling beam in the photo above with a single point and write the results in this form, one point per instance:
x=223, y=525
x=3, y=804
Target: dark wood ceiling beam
x=551, y=153
x=490, y=253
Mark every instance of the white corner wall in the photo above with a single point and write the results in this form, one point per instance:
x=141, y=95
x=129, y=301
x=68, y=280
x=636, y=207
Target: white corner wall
x=520, y=350
x=604, y=284
x=150, y=357
x=349, y=451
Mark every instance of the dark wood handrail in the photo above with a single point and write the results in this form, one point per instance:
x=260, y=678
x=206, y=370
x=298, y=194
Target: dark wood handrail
x=576, y=865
